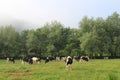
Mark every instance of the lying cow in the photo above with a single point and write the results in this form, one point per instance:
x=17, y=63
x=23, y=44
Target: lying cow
x=84, y=58
x=69, y=61
x=10, y=59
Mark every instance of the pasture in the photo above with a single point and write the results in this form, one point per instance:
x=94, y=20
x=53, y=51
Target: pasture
x=108, y=69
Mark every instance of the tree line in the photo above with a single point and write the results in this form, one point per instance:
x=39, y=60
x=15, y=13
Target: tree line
x=95, y=37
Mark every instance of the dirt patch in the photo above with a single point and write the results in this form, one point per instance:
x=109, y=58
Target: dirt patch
x=19, y=73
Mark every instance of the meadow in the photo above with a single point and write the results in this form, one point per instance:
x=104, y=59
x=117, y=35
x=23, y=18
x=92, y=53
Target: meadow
x=108, y=69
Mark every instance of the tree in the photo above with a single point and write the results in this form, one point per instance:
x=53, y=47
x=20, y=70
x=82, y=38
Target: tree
x=93, y=37
x=32, y=43
x=113, y=29
x=23, y=39
x=9, y=41
x=87, y=36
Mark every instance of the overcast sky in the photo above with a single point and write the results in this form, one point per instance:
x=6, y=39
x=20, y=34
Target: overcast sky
x=68, y=12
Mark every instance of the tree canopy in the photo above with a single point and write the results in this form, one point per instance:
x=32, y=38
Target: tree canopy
x=94, y=37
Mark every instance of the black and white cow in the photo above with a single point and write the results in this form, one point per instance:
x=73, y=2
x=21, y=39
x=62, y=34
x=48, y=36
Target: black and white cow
x=69, y=62
x=27, y=59
x=84, y=58
x=77, y=58
x=10, y=59
x=49, y=59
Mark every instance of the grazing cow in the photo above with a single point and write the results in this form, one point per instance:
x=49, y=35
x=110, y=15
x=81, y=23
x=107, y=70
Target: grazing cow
x=49, y=59
x=77, y=58
x=36, y=60
x=10, y=59
x=69, y=61
x=63, y=58
x=84, y=58
x=27, y=59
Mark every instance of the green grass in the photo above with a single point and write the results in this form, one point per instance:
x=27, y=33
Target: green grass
x=92, y=70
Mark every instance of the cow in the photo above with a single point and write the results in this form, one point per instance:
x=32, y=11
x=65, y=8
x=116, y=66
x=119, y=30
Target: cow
x=36, y=60
x=77, y=58
x=84, y=58
x=49, y=59
x=69, y=62
x=10, y=59
x=27, y=59
x=63, y=59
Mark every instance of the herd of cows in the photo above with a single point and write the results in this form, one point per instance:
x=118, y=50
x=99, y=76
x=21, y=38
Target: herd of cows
x=68, y=60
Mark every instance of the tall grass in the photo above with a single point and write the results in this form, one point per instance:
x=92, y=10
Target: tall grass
x=92, y=70
x=113, y=76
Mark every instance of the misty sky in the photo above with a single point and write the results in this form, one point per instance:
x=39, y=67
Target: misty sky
x=68, y=12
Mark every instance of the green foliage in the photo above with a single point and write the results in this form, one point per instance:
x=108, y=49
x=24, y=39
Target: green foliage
x=99, y=36
x=95, y=37
x=9, y=41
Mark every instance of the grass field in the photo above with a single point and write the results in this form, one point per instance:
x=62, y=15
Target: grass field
x=92, y=70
